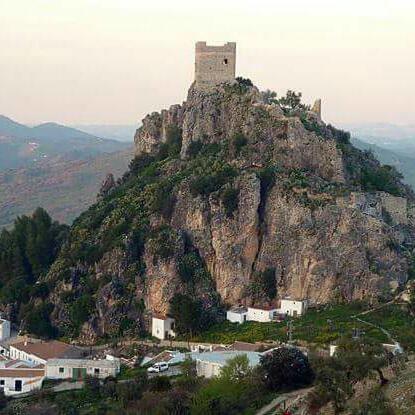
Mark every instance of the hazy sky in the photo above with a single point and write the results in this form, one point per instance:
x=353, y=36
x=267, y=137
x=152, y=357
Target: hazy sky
x=113, y=61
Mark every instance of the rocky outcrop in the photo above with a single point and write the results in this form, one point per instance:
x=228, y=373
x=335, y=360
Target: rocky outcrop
x=296, y=210
x=107, y=186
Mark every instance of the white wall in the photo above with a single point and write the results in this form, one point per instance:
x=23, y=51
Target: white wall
x=207, y=369
x=236, y=317
x=4, y=330
x=53, y=371
x=21, y=355
x=262, y=316
x=293, y=307
x=159, y=328
x=28, y=385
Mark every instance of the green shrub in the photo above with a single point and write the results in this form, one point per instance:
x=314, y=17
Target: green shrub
x=238, y=142
x=244, y=81
x=80, y=310
x=296, y=178
x=188, y=314
x=230, y=200
x=188, y=267
x=311, y=125
x=139, y=163
x=194, y=148
x=173, y=144
x=37, y=320
x=161, y=199
x=263, y=282
x=204, y=185
x=381, y=178
x=162, y=242
x=292, y=100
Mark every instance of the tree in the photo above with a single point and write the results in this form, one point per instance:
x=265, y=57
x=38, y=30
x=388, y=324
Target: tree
x=187, y=313
x=332, y=385
x=359, y=357
x=269, y=97
x=236, y=369
x=286, y=368
x=159, y=384
x=292, y=101
x=246, y=82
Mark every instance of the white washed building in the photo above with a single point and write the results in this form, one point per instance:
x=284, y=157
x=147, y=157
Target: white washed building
x=262, y=314
x=40, y=352
x=79, y=368
x=293, y=308
x=162, y=327
x=4, y=329
x=237, y=315
x=17, y=377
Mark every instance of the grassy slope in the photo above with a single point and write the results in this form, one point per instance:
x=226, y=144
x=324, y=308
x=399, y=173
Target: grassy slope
x=64, y=188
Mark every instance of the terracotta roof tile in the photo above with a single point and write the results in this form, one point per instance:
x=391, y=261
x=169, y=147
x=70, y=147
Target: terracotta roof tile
x=47, y=350
x=21, y=373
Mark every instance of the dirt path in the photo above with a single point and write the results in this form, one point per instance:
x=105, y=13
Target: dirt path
x=383, y=330
x=283, y=401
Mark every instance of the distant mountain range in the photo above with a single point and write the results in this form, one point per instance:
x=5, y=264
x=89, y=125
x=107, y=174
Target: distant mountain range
x=404, y=164
x=24, y=146
x=115, y=132
x=391, y=144
x=53, y=166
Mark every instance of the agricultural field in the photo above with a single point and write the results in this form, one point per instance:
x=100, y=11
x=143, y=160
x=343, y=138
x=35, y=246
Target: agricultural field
x=321, y=326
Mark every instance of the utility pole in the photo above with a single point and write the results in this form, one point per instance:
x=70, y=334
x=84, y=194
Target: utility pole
x=290, y=329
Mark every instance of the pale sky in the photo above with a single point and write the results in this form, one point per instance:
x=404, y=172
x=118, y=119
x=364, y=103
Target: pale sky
x=113, y=61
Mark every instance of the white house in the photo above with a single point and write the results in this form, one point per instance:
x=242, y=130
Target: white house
x=293, y=308
x=209, y=364
x=79, y=368
x=4, y=329
x=237, y=315
x=262, y=314
x=162, y=327
x=17, y=377
x=42, y=351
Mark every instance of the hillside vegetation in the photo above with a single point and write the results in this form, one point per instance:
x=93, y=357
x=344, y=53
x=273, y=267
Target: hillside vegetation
x=231, y=198
x=65, y=188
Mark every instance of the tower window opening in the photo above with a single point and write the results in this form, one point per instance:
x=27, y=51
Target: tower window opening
x=225, y=61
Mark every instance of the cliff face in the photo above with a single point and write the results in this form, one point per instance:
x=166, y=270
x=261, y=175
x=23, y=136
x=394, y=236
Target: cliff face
x=225, y=190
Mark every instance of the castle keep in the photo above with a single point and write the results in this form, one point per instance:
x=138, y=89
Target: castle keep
x=214, y=64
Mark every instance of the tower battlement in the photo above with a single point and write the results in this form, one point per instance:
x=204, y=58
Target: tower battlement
x=214, y=64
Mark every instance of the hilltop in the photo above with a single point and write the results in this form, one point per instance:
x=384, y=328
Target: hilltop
x=233, y=196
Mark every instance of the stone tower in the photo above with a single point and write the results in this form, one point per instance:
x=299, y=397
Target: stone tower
x=214, y=64
x=317, y=108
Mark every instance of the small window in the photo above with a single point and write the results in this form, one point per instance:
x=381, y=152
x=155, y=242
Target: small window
x=225, y=61
x=96, y=371
x=61, y=370
x=2, y=382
